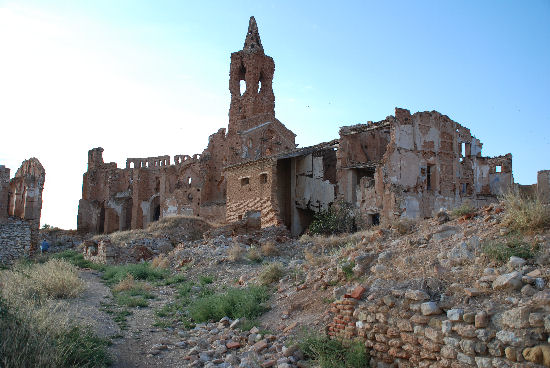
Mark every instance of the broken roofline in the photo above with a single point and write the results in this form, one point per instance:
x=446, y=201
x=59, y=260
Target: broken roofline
x=290, y=154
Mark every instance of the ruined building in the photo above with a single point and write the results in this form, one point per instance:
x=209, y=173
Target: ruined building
x=404, y=166
x=20, y=208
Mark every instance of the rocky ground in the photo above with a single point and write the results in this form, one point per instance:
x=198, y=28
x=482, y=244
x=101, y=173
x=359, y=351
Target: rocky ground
x=450, y=258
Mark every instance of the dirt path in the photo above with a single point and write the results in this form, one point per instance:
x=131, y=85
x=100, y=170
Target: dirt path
x=132, y=345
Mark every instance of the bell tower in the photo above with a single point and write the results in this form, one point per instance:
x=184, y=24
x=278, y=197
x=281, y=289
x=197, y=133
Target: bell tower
x=256, y=105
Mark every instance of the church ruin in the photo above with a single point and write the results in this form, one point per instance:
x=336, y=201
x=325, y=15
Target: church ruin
x=405, y=166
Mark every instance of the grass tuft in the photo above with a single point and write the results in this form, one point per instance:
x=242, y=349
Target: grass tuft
x=233, y=303
x=523, y=213
x=139, y=271
x=333, y=353
x=77, y=259
x=465, y=209
x=502, y=250
x=271, y=273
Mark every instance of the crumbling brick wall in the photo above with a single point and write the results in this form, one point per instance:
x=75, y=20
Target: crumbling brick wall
x=543, y=186
x=25, y=196
x=252, y=187
x=413, y=165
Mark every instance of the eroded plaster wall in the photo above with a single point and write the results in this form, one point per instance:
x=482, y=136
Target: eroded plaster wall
x=253, y=188
x=413, y=165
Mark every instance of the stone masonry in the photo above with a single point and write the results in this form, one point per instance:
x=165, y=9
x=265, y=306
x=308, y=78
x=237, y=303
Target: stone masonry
x=407, y=328
x=20, y=209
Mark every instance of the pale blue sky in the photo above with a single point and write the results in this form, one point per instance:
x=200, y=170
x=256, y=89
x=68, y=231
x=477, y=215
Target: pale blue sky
x=147, y=78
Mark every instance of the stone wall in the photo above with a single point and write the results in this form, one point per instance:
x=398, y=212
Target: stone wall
x=407, y=328
x=4, y=192
x=543, y=186
x=15, y=239
x=21, y=198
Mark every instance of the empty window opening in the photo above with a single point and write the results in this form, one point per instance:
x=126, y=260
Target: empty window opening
x=462, y=149
x=259, y=86
x=240, y=217
x=430, y=177
x=245, y=181
x=374, y=219
x=498, y=168
x=156, y=214
x=243, y=87
x=263, y=178
x=189, y=181
x=131, y=165
x=249, y=142
x=464, y=187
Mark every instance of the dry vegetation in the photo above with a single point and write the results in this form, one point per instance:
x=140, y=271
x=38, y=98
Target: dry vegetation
x=172, y=227
x=525, y=214
x=32, y=332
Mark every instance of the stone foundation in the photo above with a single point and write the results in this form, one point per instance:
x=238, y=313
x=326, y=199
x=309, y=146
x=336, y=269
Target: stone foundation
x=403, y=328
x=15, y=236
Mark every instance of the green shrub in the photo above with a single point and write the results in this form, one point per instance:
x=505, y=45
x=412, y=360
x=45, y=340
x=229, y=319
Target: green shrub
x=140, y=271
x=330, y=353
x=175, y=279
x=523, y=213
x=347, y=269
x=233, y=303
x=271, y=273
x=78, y=260
x=501, y=251
x=337, y=219
x=205, y=280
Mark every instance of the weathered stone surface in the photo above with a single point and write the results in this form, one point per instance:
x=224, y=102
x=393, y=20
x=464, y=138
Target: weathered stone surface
x=516, y=318
x=430, y=308
x=508, y=281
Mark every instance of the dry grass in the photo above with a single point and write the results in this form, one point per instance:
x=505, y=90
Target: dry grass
x=524, y=214
x=53, y=279
x=254, y=255
x=129, y=283
x=332, y=242
x=271, y=273
x=269, y=249
x=235, y=253
x=125, y=284
x=466, y=208
x=34, y=330
x=161, y=261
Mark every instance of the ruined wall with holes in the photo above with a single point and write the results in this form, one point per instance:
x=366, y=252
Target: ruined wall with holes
x=20, y=209
x=412, y=165
x=252, y=188
x=147, y=189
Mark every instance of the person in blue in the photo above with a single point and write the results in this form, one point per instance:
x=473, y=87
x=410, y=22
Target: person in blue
x=44, y=246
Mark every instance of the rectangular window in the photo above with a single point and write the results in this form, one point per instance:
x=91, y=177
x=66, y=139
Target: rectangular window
x=263, y=178
x=429, y=177
x=245, y=181
x=498, y=169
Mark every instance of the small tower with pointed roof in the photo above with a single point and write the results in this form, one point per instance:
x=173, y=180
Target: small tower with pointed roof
x=256, y=104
